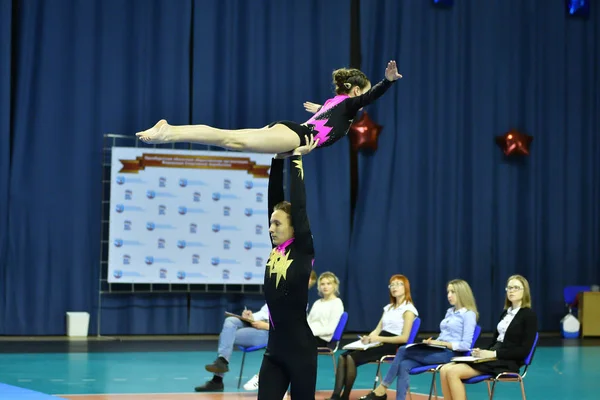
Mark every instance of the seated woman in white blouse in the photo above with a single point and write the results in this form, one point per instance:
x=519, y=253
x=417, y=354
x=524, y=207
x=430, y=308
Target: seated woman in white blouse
x=392, y=331
x=326, y=312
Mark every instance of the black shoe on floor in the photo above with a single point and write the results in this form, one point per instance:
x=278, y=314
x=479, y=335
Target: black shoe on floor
x=373, y=396
x=219, y=366
x=210, y=386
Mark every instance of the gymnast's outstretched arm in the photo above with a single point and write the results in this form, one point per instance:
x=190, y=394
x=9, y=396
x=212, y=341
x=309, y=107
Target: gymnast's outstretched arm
x=276, y=194
x=302, y=232
x=354, y=104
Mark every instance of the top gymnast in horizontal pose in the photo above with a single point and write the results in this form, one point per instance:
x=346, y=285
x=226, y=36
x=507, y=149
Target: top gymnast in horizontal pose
x=329, y=123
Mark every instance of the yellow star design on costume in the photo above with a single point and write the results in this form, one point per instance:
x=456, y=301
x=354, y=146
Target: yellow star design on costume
x=278, y=264
x=300, y=168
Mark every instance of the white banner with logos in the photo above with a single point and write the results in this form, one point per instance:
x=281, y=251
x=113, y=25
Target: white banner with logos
x=181, y=216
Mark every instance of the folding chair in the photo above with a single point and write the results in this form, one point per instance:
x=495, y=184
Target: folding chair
x=335, y=340
x=434, y=368
x=244, y=351
x=390, y=357
x=506, y=376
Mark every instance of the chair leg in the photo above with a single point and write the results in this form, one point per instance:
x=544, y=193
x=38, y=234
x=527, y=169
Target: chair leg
x=522, y=390
x=241, y=369
x=433, y=387
x=409, y=393
x=377, y=376
x=334, y=366
x=491, y=392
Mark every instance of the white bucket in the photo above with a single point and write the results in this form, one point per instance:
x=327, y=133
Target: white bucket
x=78, y=324
x=570, y=327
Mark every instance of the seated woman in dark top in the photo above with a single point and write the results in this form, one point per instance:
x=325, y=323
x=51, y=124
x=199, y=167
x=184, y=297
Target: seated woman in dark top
x=512, y=343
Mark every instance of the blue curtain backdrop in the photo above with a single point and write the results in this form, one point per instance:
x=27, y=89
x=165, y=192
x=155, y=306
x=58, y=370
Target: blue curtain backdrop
x=438, y=201
x=5, y=135
x=82, y=69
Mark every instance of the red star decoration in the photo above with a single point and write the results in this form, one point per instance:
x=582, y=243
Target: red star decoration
x=514, y=142
x=364, y=133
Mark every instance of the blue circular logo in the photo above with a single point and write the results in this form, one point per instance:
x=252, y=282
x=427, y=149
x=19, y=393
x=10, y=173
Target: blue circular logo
x=117, y=273
x=149, y=260
x=120, y=180
x=216, y=196
x=248, y=212
x=249, y=184
x=183, y=182
x=247, y=275
x=182, y=210
x=150, y=226
x=247, y=245
x=118, y=242
x=120, y=208
x=215, y=261
x=150, y=194
x=181, y=244
x=216, y=227
x=181, y=275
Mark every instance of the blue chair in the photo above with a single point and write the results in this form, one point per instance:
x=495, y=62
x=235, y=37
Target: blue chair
x=244, y=351
x=390, y=357
x=506, y=376
x=434, y=368
x=335, y=340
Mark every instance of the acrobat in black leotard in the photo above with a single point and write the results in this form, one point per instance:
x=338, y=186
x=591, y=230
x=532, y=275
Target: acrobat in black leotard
x=333, y=120
x=291, y=355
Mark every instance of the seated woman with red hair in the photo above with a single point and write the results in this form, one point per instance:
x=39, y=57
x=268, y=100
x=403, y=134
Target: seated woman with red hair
x=392, y=331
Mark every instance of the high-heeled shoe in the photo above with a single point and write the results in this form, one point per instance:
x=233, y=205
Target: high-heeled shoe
x=373, y=396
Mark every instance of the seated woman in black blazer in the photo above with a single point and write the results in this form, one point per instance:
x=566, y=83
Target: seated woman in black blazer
x=513, y=340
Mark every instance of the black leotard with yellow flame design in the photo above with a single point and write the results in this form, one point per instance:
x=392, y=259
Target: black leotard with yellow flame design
x=288, y=270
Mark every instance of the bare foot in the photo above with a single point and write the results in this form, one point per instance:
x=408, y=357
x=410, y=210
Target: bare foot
x=159, y=133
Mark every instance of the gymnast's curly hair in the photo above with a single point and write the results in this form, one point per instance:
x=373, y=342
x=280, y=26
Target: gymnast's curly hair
x=345, y=79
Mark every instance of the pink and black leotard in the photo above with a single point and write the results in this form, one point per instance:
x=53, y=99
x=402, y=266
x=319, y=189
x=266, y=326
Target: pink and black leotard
x=291, y=355
x=333, y=120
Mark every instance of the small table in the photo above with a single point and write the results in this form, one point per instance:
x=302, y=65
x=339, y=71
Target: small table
x=589, y=313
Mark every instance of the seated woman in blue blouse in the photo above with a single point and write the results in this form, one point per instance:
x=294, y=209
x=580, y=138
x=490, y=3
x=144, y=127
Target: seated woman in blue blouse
x=457, y=330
